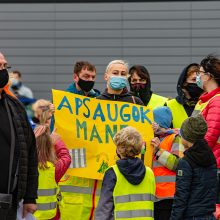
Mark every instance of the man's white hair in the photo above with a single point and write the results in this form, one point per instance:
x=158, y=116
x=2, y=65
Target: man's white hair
x=123, y=62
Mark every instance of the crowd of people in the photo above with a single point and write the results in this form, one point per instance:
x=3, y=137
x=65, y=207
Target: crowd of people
x=182, y=184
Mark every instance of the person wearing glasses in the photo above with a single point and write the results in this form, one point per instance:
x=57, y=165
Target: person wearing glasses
x=208, y=78
x=140, y=85
x=188, y=94
x=18, y=156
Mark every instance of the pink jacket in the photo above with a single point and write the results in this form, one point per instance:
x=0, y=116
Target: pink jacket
x=63, y=161
x=211, y=113
x=62, y=164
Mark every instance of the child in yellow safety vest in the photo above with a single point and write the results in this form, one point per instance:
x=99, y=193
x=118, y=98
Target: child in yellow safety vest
x=167, y=151
x=128, y=189
x=53, y=161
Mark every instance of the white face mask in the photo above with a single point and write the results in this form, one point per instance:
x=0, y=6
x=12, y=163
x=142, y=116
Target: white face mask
x=199, y=81
x=14, y=82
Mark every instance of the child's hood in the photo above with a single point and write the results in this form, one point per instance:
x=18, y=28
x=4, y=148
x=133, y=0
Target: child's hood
x=133, y=169
x=201, y=154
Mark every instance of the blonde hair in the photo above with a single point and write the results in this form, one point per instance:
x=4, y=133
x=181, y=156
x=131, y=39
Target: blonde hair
x=128, y=142
x=44, y=143
x=123, y=62
x=39, y=106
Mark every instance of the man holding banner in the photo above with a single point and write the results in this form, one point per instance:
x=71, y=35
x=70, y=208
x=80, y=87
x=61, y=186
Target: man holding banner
x=78, y=191
x=84, y=79
x=87, y=126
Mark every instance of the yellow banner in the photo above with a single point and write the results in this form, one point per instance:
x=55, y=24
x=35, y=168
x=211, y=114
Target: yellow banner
x=87, y=126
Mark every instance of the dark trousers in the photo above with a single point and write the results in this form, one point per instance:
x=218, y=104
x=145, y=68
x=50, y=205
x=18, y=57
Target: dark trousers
x=218, y=198
x=162, y=209
x=8, y=214
x=162, y=214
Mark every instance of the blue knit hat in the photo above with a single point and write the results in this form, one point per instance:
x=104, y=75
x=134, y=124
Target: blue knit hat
x=163, y=116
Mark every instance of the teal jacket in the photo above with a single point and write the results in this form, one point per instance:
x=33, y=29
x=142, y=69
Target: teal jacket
x=92, y=93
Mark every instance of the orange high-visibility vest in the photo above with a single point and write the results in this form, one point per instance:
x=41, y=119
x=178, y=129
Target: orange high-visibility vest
x=165, y=178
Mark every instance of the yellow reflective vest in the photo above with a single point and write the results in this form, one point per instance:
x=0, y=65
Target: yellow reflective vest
x=156, y=101
x=47, y=193
x=178, y=113
x=200, y=106
x=134, y=202
x=79, y=196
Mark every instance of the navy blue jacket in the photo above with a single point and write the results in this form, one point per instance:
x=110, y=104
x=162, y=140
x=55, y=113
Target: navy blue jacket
x=196, y=183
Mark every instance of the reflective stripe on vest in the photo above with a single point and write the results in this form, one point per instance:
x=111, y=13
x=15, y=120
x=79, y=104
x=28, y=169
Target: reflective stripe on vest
x=77, y=197
x=46, y=206
x=156, y=101
x=178, y=112
x=134, y=214
x=78, y=189
x=134, y=198
x=156, y=164
x=134, y=201
x=47, y=193
x=165, y=178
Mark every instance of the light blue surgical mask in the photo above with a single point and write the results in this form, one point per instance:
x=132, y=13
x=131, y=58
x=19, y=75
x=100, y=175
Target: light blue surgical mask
x=118, y=82
x=199, y=81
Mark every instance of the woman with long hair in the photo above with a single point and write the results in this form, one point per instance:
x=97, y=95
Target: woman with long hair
x=53, y=161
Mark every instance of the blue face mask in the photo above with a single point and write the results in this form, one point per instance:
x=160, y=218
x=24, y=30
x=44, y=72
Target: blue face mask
x=118, y=82
x=199, y=82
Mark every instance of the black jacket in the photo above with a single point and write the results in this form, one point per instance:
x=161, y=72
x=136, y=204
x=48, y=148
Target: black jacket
x=27, y=184
x=188, y=105
x=125, y=96
x=196, y=183
x=133, y=170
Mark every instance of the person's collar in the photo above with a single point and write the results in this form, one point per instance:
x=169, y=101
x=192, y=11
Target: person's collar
x=206, y=96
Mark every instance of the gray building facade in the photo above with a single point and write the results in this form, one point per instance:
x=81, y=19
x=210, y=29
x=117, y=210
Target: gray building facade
x=44, y=40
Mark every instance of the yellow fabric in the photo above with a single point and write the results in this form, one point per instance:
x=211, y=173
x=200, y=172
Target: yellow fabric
x=46, y=181
x=124, y=188
x=178, y=112
x=91, y=125
x=77, y=199
x=200, y=106
x=156, y=101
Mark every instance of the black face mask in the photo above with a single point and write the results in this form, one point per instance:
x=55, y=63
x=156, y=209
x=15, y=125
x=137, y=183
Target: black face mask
x=138, y=87
x=193, y=90
x=4, y=77
x=142, y=91
x=85, y=85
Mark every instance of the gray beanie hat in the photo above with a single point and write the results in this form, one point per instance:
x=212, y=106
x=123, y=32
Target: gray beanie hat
x=194, y=128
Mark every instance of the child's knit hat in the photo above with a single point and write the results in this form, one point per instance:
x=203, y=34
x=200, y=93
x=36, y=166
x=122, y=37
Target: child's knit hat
x=163, y=116
x=194, y=128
